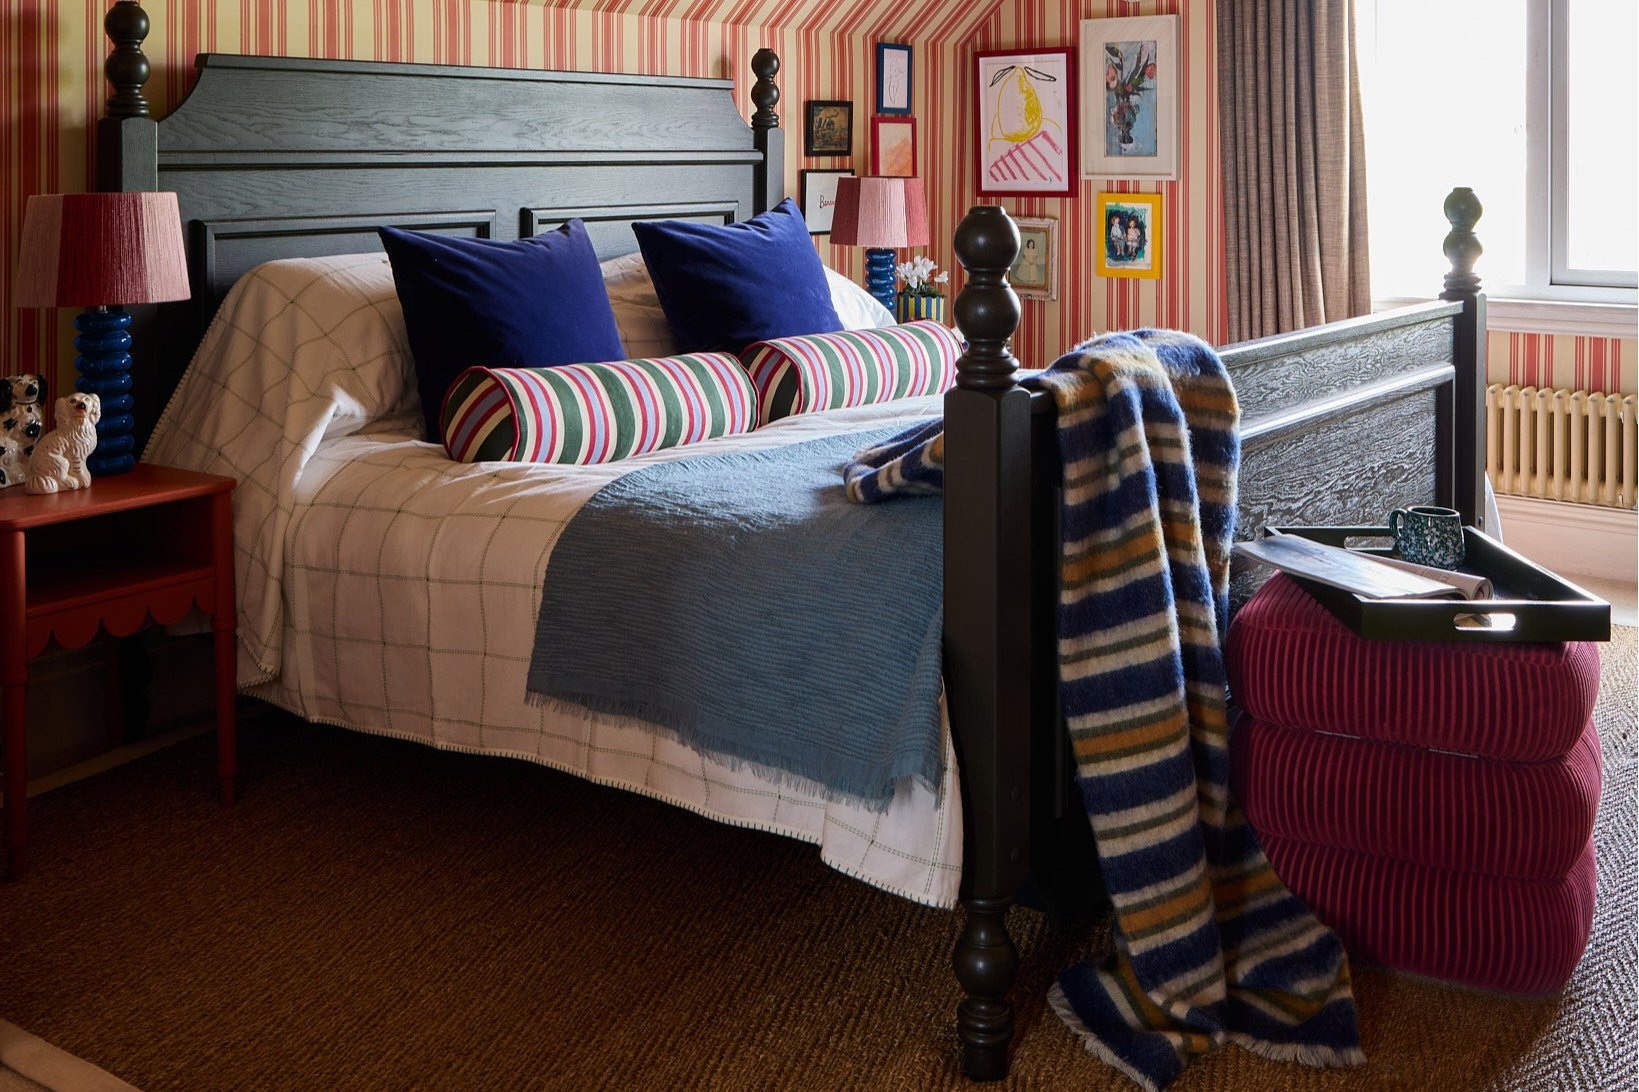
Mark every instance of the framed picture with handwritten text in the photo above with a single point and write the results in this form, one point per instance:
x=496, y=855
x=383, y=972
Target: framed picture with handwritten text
x=1026, y=118
x=818, y=190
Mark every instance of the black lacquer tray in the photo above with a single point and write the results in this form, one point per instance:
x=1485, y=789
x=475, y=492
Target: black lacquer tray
x=1531, y=604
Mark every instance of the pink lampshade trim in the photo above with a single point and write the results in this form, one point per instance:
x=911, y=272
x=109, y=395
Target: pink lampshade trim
x=880, y=212
x=101, y=249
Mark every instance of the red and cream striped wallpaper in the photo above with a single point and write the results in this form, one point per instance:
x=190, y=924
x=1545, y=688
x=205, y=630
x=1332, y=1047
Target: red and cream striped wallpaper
x=51, y=88
x=1609, y=365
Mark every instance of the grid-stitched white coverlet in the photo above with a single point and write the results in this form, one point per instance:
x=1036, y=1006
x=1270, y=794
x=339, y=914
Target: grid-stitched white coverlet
x=388, y=589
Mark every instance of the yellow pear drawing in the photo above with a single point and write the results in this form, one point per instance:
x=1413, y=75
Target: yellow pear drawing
x=1018, y=108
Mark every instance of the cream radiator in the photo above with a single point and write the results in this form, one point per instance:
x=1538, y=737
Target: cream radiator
x=1562, y=445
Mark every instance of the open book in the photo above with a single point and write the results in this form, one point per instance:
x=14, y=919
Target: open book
x=1363, y=574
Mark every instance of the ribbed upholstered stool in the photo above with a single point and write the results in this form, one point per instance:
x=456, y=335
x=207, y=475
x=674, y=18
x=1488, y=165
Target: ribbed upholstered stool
x=1432, y=801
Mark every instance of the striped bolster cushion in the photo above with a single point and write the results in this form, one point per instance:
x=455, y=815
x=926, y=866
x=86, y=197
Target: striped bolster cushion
x=1292, y=663
x=1517, y=936
x=851, y=368
x=595, y=413
x=1523, y=820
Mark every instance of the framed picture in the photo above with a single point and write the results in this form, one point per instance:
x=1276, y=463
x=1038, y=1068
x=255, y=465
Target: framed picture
x=828, y=127
x=893, y=78
x=1026, y=117
x=1130, y=224
x=1129, y=75
x=1035, y=276
x=893, y=146
x=818, y=191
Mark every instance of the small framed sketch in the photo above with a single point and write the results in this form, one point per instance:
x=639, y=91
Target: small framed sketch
x=828, y=127
x=1035, y=276
x=893, y=146
x=893, y=78
x=819, y=198
x=1131, y=227
x=1129, y=75
x=1026, y=113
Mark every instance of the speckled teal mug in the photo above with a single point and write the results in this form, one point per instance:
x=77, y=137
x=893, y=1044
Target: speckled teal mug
x=1427, y=535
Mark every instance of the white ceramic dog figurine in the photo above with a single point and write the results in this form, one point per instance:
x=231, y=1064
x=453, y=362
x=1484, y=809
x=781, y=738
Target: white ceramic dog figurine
x=21, y=399
x=59, y=459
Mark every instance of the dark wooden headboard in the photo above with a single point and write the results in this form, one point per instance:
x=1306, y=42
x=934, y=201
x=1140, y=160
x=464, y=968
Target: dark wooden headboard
x=277, y=157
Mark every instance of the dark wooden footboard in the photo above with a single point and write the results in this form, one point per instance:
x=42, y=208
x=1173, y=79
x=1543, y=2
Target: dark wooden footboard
x=1340, y=423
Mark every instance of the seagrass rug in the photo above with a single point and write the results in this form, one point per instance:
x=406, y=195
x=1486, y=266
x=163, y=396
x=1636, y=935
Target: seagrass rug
x=378, y=915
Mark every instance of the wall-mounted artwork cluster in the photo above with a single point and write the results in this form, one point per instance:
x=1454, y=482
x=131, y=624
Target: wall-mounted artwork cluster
x=1046, y=119
x=828, y=130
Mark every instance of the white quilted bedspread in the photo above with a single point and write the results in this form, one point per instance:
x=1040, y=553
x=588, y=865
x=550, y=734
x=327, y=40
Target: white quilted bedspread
x=385, y=588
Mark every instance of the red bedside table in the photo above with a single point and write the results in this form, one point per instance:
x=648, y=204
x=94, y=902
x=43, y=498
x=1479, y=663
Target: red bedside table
x=148, y=544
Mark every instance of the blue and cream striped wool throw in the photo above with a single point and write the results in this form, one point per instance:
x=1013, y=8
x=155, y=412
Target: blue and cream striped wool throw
x=1209, y=945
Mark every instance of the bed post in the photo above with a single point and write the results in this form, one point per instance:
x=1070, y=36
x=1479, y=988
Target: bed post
x=1462, y=285
x=766, y=133
x=127, y=137
x=987, y=630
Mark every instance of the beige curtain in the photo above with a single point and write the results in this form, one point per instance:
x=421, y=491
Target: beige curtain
x=1294, y=165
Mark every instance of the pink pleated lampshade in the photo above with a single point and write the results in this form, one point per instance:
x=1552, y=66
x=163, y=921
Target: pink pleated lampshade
x=101, y=250
x=880, y=212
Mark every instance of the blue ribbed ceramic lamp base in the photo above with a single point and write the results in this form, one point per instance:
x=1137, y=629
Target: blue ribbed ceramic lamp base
x=879, y=275
x=104, y=365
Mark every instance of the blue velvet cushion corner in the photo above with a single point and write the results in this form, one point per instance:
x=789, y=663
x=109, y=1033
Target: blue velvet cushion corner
x=531, y=303
x=726, y=286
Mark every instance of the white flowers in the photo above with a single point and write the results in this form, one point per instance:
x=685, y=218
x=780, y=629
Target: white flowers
x=917, y=276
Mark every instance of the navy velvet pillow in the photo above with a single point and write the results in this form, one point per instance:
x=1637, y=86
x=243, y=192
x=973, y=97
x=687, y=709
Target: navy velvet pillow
x=725, y=286
x=532, y=303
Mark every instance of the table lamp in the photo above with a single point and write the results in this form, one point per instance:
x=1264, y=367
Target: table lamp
x=103, y=251
x=882, y=215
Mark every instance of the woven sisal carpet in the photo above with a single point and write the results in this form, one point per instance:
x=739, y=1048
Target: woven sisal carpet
x=378, y=915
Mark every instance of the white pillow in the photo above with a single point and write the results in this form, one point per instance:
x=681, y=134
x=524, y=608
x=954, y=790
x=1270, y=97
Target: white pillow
x=644, y=330
x=857, y=308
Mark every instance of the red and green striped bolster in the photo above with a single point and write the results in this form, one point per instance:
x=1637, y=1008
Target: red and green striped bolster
x=595, y=413
x=851, y=368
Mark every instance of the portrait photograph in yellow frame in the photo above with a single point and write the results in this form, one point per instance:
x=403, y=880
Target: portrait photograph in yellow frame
x=1131, y=233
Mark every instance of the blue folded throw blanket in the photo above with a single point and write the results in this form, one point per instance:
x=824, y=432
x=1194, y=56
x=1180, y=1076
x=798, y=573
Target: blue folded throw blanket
x=741, y=602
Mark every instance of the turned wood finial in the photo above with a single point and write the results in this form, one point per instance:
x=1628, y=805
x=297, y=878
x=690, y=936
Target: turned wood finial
x=987, y=311
x=1462, y=248
x=127, y=66
x=765, y=64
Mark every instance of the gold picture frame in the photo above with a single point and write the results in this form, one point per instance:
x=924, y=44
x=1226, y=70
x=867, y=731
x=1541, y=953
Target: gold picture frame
x=1131, y=235
x=1035, y=274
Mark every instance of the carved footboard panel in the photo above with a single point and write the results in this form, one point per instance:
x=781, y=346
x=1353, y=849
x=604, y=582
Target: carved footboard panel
x=1343, y=422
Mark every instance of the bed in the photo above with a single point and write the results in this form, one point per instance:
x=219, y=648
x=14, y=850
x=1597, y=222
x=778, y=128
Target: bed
x=302, y=160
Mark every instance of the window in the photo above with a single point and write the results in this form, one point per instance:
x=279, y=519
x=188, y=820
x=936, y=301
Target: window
x=1534, y=104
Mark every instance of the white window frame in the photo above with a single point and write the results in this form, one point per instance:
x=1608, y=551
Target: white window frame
x=1555, y=297
x=1549, y=31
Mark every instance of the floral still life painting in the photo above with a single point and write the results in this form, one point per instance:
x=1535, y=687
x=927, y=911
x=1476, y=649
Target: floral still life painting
x=1129, y=92
x=1026, y=122
x=1129, y=108
x=1131, y=235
